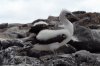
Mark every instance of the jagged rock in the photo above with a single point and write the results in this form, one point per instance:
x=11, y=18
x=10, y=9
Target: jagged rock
x=66, y=49
x=8, y=43
x=17, y=31
x=4, y=25
x=10, y=56
x=89, y=19
x=58, y=61
x=14, y=25
x=16, y=43
x=86, y=39
x=84, y=57
x=79, y=12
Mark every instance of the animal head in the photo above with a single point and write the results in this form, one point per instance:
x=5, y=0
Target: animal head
x=64, y=13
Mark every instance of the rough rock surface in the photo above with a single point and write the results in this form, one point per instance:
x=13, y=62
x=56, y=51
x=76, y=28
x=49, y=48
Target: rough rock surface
x=16, y=43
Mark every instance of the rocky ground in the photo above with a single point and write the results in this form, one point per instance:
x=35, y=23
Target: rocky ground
x=16, y=43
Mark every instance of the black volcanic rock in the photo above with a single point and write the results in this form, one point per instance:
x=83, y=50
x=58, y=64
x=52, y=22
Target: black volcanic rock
x=86, y=39
x=8, y=43
x=37, y=28
x=16, y=43
x=83, y=56
x=79, y=12
x=3, y=25
x=91, y=19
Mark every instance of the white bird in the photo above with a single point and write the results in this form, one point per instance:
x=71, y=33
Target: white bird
x=48, y=39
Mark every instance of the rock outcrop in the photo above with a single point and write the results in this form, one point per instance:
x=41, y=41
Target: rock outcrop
x=17, y=40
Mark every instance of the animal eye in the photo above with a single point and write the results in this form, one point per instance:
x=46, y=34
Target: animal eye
x=63, y=35
x=68, y=14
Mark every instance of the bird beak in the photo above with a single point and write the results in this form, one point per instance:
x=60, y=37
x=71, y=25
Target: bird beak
x=72, y=17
